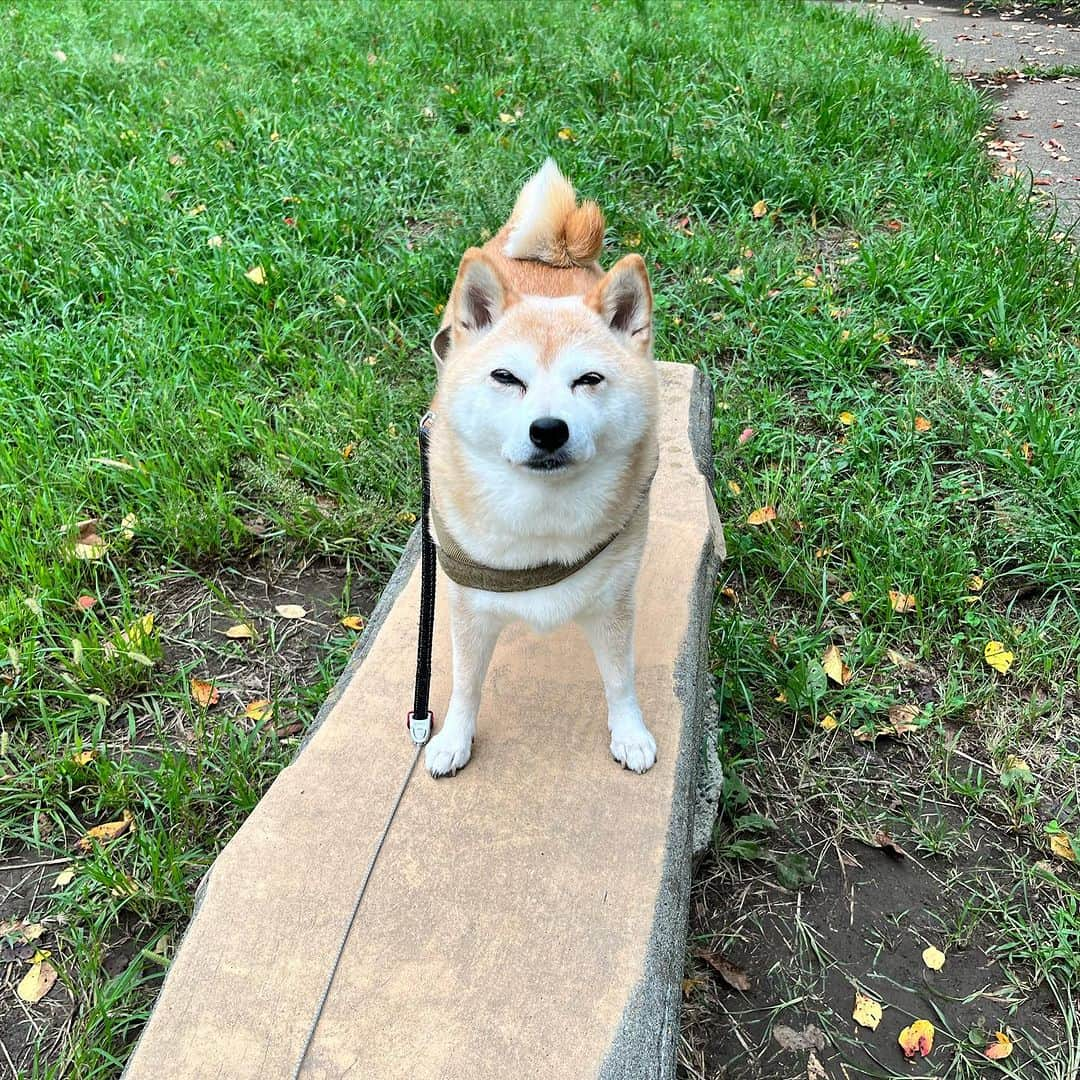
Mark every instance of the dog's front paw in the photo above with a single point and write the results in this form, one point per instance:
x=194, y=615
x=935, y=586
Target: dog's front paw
x=447, y=752
x=633, y=746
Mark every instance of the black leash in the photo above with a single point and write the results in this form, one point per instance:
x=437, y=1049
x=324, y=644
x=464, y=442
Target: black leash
x=419, y=719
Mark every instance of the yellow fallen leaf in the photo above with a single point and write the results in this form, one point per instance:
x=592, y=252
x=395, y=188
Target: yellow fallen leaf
x=736, y=274
x=933, y=958
x=1000, y=1048
x=922, y=424
x=759, y=209
x=829, y=722
x=759, y=517
x=1061, y=846
x=781, y=697
x=729, y=594
x=867, y=1011
x=347, y=450
x=290, y=611
x=998, y=657
x=734, y=487
x=127, y=526
x=65, y=877
x=566, y=135
x=353, y=622
x=846, y=418
x=84, y=757
x=89, y=547
x=259, y=710
x=195, y=211
x=809, y=282
x=917, y=1038
x=507, y=118
x=240, y=631
x=102, y=833
x=834, y=666
x=902, y=603
x=845, y=597
x=22, y=932
x=256, y=275
x=204, y=694
x=38, y=981
x=975, y=583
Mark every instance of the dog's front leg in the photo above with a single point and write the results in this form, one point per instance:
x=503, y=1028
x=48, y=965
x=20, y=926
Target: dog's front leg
x=473, y=634
x=611, y=635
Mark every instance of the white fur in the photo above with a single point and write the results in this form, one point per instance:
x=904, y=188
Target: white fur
x=546, y=200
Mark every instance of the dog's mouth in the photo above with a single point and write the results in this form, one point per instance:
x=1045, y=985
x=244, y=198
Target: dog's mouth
x=549, y=462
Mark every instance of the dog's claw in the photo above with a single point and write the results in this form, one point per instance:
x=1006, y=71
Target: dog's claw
x=636, y=750
x=446, y=753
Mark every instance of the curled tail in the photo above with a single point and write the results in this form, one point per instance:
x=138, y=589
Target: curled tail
x=549, y=226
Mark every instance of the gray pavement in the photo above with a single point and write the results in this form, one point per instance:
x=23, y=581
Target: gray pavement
x=1012, y=55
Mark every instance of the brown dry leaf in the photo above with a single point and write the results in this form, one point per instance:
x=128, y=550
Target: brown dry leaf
x=902, y=603
x=866, y=1011
x=353, y=622
x=1000, y=1048
x=893, y=225
x=917, y=1039
x=887, y=844
x=902, y=719
x=834, y=666
x=759, y=209
x=256, y=275
x=289, y=730
x=259, y=710
x=240, y=631
x=101, y=834
x=290, y=611
x=1061, y=846
x=761, y=516
x=922, y=424
x=731, y=973
x=933, y=958
x=177, y=160
x=204, y=694
x=900, y=660
x=39, y=980
x=729, y=594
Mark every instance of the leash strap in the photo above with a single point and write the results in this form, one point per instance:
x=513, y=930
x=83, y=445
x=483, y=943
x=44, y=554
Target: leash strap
x=419, y=719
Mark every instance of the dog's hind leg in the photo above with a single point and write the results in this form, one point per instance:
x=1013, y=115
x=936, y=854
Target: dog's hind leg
x=473, y=635
x=611, y=635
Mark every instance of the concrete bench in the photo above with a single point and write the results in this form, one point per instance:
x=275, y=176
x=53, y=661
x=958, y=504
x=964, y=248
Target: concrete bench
x=526, y=918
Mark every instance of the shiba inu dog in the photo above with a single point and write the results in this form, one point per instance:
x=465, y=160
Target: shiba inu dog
x=542, y=449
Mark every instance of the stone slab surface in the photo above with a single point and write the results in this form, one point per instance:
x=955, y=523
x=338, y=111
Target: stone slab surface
x=527, y=917
x=1038, y=116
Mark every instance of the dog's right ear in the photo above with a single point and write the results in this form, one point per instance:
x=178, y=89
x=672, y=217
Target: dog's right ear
x=480, y=296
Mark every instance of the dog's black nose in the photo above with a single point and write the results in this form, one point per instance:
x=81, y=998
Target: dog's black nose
x=548, y=433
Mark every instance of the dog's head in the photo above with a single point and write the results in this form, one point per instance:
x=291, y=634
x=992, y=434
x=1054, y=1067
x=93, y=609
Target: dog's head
x=546, y=385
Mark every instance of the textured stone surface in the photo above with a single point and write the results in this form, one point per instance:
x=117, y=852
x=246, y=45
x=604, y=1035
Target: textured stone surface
x=527, y=917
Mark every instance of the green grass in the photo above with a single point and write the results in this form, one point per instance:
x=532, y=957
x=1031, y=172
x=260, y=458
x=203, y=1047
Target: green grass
x=353, y=152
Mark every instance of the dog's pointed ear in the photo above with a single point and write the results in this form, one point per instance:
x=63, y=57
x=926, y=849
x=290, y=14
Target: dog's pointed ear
x=481, y=294
x=440, y=346
x=623, y=299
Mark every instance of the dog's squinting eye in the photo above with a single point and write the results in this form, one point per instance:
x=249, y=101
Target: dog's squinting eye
x=506, y=378
x=591, y=378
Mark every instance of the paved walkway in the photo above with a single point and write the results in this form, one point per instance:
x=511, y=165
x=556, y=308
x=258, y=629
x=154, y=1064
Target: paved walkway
x=1004, y=53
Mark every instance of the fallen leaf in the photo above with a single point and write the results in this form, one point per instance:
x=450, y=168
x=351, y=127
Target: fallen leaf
x=922, y=424
x=1000, y=1048
x=829, y=722
x=353, y=622
x=917, y=1038
x=903, y=717
x=998, y=657
x=22, y=933
x=204, y=694
x=902, y=603
x=65, y=877
x=127, y=526
x=810, y=1038
x=87, y=544
x=507, y=118
x=900, y=660
x=85, y=602
x=729, y=594
x=259, y=710
x=845, y=597
x=111, y=830
x=290, y=611
x=893, y=225
x=814, y=1069
x=240, y=631
x=846, y=418
x=565, y=134
x=933, y=958
x=289, y=729
x=1013, y=763
x=734, y=487
x=760, y=516
x=256, y=275
x=759, y=209
x=347, y=451
x=975, y=583
x=195, y=211
x=746, y=435
x=177, y=160
x=214, y=241
x=887, y=844
x=736, y=274
x=834, y=666
x=1061, y=846
x=84, y=757
x=38, y=981
x=731, y=973
x=867, y=1011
